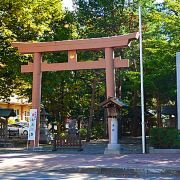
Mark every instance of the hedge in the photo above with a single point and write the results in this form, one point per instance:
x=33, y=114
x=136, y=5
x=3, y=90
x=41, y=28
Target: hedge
x=164, y=138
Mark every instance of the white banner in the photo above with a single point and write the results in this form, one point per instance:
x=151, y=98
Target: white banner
x=32, y=124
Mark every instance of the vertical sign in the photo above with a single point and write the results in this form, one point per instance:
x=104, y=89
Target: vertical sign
x=32, y=124
x=114, y=131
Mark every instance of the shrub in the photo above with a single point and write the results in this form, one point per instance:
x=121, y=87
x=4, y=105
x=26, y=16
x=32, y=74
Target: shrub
x=98, y=131
x=62, y=135
x=164, y=138
x=83, y=133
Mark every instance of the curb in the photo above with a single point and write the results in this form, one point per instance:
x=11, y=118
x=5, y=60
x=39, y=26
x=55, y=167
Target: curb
x=118, y=171
x=106, y=171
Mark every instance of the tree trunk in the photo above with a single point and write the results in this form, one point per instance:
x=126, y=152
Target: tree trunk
x=135, y=124
x=105, y=124
x=159, y=120
x=118, y=88
x=89, y=128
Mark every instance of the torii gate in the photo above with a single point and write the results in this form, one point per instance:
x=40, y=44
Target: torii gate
x=72, y=46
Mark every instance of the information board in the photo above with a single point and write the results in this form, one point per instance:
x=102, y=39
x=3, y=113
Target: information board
x=32, y=124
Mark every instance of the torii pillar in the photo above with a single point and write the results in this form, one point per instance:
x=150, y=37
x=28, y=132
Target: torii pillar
x=36, y=93
x=113, y=146
x=72, y=46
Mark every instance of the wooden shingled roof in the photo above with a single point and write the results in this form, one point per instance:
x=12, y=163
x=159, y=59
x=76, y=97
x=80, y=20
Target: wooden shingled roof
x=113, y=102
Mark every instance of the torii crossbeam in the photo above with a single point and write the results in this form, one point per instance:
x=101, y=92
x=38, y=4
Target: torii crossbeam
x=72, y=46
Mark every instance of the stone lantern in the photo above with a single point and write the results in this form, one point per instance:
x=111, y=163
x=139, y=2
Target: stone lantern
x=44, y=131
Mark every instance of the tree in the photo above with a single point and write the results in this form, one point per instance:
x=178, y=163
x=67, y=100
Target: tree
x=22, y=21
x=161, y=44
x=160, y=32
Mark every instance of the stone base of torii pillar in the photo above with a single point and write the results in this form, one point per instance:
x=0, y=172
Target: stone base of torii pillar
x=113, y=146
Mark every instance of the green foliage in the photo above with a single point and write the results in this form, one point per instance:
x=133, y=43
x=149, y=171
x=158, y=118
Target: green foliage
x=83, y=133
x=164, y=138
x=26, y=20
x=62, y=135
x=70, y=92
x=98, y=131
x=100, y=18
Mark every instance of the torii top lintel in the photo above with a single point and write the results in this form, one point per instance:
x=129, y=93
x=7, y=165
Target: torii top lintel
x=82, y=44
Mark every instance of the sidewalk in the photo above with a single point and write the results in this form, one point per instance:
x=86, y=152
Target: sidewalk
x=136, y=164
x=91, y=160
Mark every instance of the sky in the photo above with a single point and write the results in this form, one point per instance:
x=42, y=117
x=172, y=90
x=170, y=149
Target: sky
x=68, y=4
x=159, y=1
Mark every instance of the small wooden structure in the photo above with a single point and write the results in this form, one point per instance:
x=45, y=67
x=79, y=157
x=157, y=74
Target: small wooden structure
x=3, y=128
x=4, y=134
x=4, y=115
x=112, y=104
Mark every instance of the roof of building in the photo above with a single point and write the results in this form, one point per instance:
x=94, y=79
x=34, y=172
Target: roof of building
x=169, y=110
x=7, y=112
x=15, y=99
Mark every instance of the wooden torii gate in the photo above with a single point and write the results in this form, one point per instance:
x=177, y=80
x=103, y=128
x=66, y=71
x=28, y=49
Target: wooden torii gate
x=72, y=46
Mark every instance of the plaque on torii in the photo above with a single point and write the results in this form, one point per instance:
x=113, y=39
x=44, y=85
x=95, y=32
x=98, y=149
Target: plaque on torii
x=72, y=46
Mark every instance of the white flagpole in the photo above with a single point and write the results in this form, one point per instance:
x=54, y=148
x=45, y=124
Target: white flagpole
x=142, y=87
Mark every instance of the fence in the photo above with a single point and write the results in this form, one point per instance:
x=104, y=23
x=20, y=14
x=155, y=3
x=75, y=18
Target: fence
x=69, y=141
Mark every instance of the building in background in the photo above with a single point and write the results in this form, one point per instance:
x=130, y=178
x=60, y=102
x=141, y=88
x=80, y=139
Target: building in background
x=21, y=107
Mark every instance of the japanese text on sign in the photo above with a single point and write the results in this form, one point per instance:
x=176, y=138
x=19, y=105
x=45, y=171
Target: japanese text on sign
x=32, y=124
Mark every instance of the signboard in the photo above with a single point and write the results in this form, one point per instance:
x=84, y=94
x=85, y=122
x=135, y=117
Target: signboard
x=32, y=124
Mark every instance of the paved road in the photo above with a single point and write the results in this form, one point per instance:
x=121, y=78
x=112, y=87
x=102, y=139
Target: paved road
x=77, y=176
